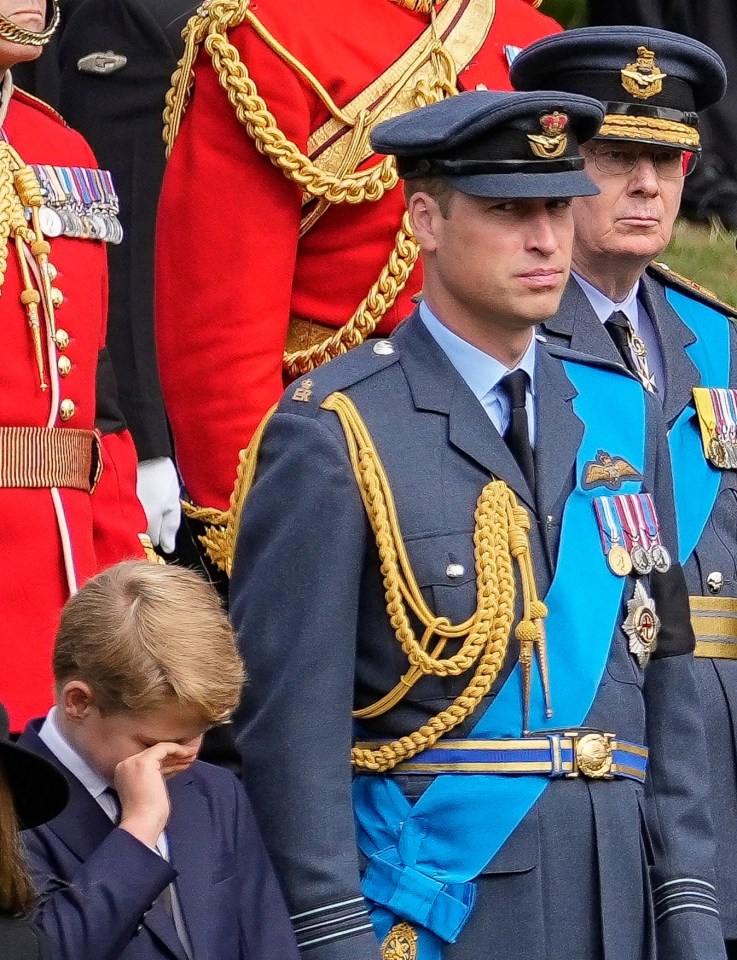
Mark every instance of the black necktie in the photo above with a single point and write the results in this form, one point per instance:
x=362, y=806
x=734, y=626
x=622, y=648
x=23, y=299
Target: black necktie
x=618, y=328
x=517, y=435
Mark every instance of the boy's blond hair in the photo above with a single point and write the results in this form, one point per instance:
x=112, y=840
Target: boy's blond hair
x=143, y=635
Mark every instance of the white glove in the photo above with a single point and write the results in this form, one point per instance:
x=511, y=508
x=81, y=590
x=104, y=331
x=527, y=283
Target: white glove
x=158, y=491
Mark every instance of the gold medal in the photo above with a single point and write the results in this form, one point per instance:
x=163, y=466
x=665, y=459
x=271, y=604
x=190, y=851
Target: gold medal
x=620, y=562
x=717, y=453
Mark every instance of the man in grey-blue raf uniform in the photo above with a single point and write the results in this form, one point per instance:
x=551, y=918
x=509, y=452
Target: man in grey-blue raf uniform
x=471, y=729
x=677, y=338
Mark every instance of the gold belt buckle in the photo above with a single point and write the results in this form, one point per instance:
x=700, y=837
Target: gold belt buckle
x=593, y=755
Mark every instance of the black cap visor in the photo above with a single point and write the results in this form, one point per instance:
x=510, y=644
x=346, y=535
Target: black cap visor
x=526, y=186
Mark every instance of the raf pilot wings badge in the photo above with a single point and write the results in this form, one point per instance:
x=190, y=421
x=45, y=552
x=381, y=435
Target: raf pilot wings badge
x=607, y=471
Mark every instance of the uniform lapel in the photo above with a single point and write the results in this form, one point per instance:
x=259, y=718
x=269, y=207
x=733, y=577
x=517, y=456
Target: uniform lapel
x=190, y=849
x=577, y=324
x=681, y=376
x=83, y=824
x=558, y=432
x=438, y=387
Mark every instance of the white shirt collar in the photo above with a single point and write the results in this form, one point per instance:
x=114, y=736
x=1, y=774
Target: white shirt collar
x=604, y=307
x=90, y=779
x=481, y=372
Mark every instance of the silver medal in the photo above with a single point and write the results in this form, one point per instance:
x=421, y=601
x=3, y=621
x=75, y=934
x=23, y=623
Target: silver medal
x=50, y=222
x=660, y=558
x=641, y=560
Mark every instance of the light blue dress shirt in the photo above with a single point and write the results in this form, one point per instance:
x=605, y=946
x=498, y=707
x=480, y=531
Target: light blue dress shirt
x=482, y=372
x=637, y=315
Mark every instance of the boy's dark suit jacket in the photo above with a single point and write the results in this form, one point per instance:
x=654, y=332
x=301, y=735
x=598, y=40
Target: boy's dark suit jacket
x=100, y=887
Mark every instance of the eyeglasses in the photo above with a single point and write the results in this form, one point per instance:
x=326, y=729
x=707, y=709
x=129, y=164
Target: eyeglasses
x=669, y=164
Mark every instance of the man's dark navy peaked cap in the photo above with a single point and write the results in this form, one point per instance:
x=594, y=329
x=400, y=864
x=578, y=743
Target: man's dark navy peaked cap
x=491, y=144
x=652, y=82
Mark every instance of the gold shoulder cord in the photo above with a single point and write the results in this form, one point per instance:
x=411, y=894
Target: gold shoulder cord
x=210, y=25
x=500, y=537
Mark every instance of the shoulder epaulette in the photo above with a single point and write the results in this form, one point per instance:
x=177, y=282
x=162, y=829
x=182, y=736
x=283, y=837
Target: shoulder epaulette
x=39, y=105
x=672, y=279
x=575, y=356
x=307, y=392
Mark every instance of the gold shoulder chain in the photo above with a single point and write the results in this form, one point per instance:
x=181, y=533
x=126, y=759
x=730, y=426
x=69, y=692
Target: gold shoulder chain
x=210, y=26
x=500, y=537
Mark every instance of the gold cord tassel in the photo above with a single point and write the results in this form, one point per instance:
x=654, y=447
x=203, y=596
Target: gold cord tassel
x=20, y=189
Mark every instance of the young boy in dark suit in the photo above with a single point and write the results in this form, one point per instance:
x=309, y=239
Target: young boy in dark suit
x=157, y=854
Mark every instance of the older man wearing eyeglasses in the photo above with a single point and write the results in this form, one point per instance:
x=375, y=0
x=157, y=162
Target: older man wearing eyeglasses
x=674, y=336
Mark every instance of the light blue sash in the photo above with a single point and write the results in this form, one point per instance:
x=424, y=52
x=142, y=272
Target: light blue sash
x=423, y=858
x=695, y=480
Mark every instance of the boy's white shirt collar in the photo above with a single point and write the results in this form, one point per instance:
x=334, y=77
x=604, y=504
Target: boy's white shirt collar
x=90, y=779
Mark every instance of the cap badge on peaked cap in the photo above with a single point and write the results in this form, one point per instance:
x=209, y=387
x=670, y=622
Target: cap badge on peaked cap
x=552, y=142
x=643, y=78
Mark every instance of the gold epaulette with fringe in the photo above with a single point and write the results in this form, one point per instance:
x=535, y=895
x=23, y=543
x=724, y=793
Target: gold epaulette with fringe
x=679, y=282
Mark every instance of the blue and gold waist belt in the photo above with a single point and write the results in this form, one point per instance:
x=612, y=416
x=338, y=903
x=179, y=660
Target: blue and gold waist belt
x=564, y=754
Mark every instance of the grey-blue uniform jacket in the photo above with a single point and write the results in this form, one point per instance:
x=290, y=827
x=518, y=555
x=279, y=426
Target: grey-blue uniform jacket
x=577, y=326
x=573, y=882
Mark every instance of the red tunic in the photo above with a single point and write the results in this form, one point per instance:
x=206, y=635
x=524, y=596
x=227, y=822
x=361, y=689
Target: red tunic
x=231, y=269
x=101, y=527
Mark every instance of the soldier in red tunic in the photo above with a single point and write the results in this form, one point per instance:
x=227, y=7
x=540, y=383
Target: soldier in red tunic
x=278, y=229
x=67, y=465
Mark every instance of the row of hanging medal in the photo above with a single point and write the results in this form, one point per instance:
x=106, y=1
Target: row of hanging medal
x=80, y=202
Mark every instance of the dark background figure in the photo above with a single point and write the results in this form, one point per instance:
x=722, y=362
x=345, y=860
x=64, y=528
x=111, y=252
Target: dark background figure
x=711, y=191
x=32, y=791
x=117, y=104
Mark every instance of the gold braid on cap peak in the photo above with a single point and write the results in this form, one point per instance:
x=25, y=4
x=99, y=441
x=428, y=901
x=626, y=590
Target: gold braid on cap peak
x=210, y=27
x=626, y=127
x=14, y=33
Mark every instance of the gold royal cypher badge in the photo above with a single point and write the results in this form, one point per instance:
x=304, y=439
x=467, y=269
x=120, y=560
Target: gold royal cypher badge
x=643, y=78
x=552, y=142
x=400, y=943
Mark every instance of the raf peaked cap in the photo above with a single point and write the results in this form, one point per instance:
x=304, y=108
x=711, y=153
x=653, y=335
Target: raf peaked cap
x=489, y=144
x=652, y=82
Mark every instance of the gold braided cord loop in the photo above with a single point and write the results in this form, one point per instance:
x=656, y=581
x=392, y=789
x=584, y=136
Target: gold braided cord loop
x=210, y=27
x=649, y=128
x=247, y=461
x=500, y=534
x=213, y=539
x=14, y=33
x=380, y=298
x=221, y=526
